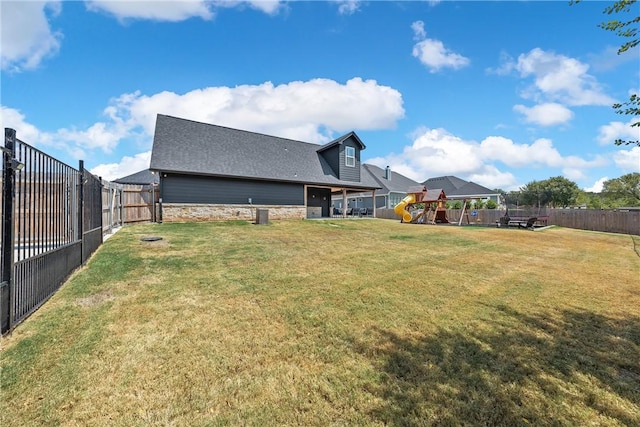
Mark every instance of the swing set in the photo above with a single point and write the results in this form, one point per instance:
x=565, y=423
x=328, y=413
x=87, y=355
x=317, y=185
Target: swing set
x=433, y=210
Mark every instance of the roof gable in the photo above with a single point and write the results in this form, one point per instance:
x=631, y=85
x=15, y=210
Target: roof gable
x=341, y=140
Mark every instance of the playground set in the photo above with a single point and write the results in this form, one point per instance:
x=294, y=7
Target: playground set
x=434, y=209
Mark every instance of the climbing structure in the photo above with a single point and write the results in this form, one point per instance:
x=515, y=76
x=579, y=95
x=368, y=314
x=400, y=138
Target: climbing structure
x=434, y=208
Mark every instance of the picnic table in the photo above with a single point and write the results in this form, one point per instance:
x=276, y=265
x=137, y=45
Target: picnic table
x=522, y=221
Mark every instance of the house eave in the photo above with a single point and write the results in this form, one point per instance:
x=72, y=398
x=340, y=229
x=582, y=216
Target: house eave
x=338, y=184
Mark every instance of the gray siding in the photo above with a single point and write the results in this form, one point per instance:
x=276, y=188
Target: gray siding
x=347, y=173
x=198, y=189
x=332, y=156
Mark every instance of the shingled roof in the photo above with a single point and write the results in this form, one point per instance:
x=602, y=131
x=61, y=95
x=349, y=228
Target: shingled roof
x=144, y=177
x=455, y=187
x=397, y=184
x=190, y=147
x=447, y=183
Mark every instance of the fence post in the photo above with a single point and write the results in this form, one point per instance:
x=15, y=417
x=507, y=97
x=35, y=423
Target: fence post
x=8, y=195
x=81, y=208
x=122, y=211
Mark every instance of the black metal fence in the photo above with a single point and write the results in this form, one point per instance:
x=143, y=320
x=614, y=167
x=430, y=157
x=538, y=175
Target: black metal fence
x=51, y=224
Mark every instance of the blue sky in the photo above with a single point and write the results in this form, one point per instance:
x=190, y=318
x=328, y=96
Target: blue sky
x=499, y=93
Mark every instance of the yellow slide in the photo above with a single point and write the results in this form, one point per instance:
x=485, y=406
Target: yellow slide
x=399, y=208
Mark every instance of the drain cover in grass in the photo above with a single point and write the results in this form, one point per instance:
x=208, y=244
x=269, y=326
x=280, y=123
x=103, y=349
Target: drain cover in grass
x=150, y=238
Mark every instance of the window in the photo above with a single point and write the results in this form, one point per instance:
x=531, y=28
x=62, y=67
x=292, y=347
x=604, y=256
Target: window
x=350, y=156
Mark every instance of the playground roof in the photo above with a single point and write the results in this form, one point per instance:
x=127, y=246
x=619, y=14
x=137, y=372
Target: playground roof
x=434, y=195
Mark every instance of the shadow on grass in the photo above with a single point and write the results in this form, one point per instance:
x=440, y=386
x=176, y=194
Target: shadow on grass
x=514, y=369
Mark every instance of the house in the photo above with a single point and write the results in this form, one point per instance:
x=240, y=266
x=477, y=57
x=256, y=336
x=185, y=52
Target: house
x=143, y=177
x=459, y=189
x=393, y=188
x=210, y=172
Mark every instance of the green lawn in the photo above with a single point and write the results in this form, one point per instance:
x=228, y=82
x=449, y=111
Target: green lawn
x=352, y=322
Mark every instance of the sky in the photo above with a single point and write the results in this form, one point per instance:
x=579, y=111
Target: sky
x=499, y=93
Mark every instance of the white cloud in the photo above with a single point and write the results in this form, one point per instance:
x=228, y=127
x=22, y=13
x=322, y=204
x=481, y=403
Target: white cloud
x=171, y=11
x=547, y=114
x=127, y=166
x=270, y=7
x=436, y=152
x=628, y=160
x=103, y=136
x=26, y=38
x=608, y=133
x=540, y=152
x=559, y=78
x=597, y=186
x=506, y=67
x=11, y=118
x=491, y=177
x=348, y=7
x=432, y=53
x=175, y=11
x=419, y=32
x=310, y=111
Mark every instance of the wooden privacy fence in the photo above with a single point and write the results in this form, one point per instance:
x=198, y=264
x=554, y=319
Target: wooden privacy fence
x=609, y=220
x=128, y=203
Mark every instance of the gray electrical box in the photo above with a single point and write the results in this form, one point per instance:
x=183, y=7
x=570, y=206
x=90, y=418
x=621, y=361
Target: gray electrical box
x=262, y=216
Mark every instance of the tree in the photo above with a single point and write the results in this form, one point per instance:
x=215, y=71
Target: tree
x=623, y=191
x=626, y=29
x=563, y=192
x=629, y=30
x=557, y=192
x=630, y=107
x=534, y=194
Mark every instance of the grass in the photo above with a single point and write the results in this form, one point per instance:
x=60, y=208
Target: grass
x=356, y=322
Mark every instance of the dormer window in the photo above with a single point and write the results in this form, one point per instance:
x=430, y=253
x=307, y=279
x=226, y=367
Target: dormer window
x=350, y=156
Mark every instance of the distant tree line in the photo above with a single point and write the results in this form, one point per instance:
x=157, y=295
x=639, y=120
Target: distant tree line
x=560, y=192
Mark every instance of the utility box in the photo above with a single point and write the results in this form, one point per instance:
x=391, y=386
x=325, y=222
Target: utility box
x=262, y=216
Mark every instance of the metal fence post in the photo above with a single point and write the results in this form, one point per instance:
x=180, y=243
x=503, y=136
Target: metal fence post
x=81, y=207
x=8, y=195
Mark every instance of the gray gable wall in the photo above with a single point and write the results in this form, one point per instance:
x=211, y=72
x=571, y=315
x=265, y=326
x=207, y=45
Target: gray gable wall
x=189, y=147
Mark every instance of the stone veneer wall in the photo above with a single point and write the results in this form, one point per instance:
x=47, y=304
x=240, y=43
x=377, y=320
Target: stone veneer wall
x=188, y=212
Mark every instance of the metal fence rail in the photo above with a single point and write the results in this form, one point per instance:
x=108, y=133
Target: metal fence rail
x=91, y=213
x=53, y=218
x=51, y=223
